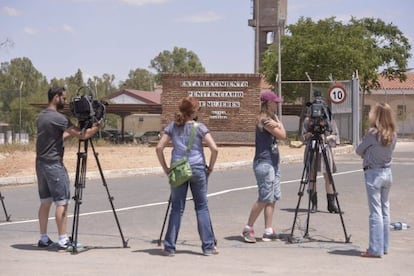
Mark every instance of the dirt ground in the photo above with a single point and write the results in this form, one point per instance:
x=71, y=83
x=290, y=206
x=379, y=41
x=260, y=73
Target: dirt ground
x=17, y=163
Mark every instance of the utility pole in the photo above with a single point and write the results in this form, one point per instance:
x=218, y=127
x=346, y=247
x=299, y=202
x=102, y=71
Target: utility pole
x=280, y=24
x=20, y=111
x=279, y=67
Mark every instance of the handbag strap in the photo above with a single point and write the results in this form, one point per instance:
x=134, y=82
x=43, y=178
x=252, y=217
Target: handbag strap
x=192, y=135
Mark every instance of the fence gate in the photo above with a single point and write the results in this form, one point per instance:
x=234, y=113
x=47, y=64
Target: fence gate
x=341, y=96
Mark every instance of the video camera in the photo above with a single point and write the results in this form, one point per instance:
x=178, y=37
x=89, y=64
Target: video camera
x=319, y=115
x=87, y=109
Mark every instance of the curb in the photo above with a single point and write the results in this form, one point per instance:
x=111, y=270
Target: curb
x=158, y=170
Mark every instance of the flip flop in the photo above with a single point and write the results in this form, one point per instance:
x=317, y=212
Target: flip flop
x=369, y=255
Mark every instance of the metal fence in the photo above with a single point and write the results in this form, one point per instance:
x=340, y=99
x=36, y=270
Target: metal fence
x=346, y=113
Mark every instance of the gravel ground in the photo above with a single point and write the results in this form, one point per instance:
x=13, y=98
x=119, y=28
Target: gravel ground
x=19, y=163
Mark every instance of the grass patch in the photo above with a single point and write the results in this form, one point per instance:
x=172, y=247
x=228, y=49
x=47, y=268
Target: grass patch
x=10, y=148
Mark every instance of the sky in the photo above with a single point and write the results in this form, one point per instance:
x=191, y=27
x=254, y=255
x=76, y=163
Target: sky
x=117, y=36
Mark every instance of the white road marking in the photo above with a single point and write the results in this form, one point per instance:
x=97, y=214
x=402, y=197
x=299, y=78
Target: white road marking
x=166, y=202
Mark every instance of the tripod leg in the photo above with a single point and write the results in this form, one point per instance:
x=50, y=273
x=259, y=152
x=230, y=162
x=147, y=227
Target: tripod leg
x=331, y=180
x=313, y=171
x=80, y=179
x=4, y=207
x=304, y=181
x=111, y=198
x=300, y=194
x=75, y=226
x=165, y=219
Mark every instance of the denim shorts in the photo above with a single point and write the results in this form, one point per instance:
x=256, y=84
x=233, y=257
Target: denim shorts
x=268, y=181
x=53, y=182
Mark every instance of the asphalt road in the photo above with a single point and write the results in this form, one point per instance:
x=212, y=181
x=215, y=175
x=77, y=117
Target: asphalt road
x=141, y=204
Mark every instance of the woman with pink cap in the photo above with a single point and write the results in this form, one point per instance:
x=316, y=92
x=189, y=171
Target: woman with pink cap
x=266, y=166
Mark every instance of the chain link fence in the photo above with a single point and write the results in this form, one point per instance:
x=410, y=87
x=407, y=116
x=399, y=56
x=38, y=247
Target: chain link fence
x=298, y=93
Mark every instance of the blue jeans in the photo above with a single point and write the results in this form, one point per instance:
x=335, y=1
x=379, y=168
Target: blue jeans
x=268, y=181
x=378, y=184
x=198, y=186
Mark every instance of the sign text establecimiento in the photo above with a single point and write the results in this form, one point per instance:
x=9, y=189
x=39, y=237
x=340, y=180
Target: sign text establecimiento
x=216, y=114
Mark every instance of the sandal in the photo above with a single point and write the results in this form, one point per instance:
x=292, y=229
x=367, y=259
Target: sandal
x=369, y=255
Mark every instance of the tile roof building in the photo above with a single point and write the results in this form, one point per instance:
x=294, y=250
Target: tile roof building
x=400, y=95
x=132, y=96
x=137, y=122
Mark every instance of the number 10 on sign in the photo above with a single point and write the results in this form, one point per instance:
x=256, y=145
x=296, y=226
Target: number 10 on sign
x=337, y=94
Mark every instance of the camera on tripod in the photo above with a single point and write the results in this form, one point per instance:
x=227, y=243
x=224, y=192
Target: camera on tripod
x=319, y=115
x=87, y=109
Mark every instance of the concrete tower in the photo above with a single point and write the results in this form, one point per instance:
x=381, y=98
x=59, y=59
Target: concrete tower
x=269, y=19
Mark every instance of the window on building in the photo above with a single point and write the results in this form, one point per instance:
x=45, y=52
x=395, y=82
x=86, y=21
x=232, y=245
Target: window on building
x=270, y=37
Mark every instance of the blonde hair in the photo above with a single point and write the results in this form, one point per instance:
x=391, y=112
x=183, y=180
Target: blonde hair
x=381, y=118
x=265, y=109
x=187, y=107
x=265, y=113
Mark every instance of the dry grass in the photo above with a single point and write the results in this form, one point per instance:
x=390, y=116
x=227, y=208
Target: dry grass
x=19, y=160
x=10, y=148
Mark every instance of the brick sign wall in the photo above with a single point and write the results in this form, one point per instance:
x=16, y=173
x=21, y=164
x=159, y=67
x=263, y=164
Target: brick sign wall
x=229, y=102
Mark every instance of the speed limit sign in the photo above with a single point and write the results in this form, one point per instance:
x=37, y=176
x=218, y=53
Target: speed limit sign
x=337, y=94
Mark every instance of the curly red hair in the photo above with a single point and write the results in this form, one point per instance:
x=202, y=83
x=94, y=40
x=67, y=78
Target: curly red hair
x=187, y=107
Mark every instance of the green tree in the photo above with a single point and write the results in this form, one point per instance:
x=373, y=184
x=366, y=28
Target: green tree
x=8, y=91
x=20, y=83
x=102, y=86
x=389, y=51
x=75, y=84
x=180, y=60
x=107, y=84
x=57, y=82
x=140, y=79
x=331, y=48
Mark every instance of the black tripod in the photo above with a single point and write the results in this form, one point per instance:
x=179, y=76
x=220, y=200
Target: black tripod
x=80, y=184
x=4, y=207
x=314, y=147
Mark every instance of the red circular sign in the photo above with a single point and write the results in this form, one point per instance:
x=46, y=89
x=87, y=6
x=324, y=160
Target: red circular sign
x=337, y=94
